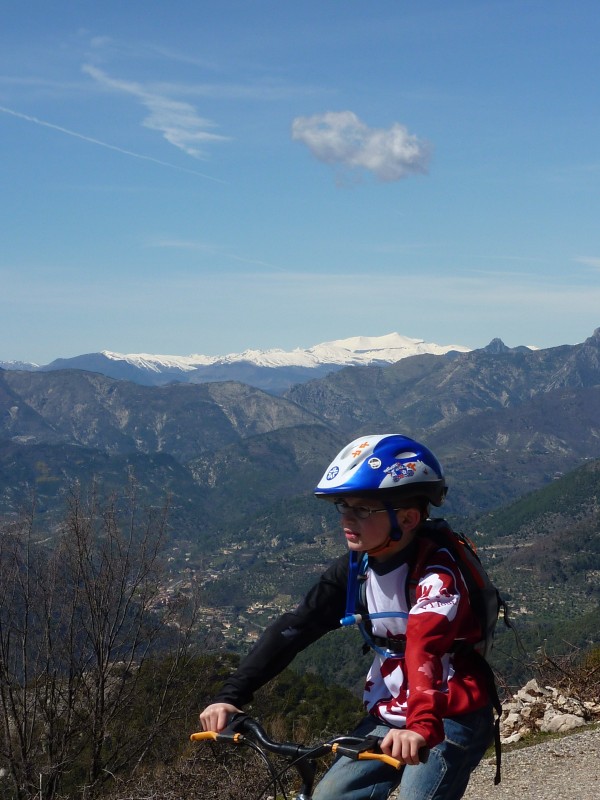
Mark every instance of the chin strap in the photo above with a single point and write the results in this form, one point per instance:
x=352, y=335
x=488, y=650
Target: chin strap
x=395, y=534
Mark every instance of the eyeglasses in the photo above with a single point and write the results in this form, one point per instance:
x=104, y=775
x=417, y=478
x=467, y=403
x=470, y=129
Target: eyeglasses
x=360, y=512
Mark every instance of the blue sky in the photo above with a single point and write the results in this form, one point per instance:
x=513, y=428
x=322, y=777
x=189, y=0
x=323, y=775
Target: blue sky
x=200, y=176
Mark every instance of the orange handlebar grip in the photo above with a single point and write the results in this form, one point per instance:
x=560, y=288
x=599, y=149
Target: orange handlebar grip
x=393, y=762
x=200, y=737
x=236, y=738
x=367, y=754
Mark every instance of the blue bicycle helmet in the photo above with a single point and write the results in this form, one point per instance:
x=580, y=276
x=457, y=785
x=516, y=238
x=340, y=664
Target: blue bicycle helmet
x=389, y=466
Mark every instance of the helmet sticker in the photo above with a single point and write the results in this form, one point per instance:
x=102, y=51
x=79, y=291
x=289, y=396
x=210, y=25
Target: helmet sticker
x=332, y=473
x=374, y=462
x=360, y=448
x=398, y=471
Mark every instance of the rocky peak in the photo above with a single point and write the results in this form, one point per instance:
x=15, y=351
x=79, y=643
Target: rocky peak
x=594, y=338
x=496, y=346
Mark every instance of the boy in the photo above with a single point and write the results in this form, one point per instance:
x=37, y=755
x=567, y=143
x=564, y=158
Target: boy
x=426, y=687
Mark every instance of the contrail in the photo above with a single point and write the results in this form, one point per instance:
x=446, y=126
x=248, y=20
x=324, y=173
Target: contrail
x=91, y=140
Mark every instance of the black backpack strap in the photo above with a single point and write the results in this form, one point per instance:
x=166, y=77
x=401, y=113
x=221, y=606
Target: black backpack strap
x=426, y=546
x=497, y=705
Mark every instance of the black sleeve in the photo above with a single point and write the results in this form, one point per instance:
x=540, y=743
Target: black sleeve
x=319, y=613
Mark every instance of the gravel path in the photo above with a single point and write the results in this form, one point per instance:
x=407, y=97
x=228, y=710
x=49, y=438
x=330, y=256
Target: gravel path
x=559, y=769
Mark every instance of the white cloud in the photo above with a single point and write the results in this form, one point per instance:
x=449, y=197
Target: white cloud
x=340, y=137
x=178, y=122
x=44, y=124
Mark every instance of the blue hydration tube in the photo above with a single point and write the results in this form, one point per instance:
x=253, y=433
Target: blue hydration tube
x=357, y=570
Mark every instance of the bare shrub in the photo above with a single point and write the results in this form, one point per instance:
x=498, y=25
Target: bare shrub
x=80, y=617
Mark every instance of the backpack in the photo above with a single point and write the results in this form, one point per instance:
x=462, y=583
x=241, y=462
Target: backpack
x=485, y=599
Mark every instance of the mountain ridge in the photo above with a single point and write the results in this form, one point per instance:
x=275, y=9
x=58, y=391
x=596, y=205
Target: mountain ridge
x=503, y=421
x=274, y=369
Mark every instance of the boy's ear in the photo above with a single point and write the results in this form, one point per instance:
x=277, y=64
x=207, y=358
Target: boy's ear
x=410, y=518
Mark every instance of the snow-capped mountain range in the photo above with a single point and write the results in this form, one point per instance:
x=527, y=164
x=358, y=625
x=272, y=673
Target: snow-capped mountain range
x=273, y=369
x=342, y=352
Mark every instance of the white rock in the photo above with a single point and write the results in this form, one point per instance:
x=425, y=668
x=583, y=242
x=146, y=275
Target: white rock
x=559, y=723
x=511, y=720
x=515, y=737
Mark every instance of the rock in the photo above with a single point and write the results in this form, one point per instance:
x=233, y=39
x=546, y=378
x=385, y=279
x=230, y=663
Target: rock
x=560, y=723
x=514, y=737
x=511, y=720
x=534, y=709
x=532, y=692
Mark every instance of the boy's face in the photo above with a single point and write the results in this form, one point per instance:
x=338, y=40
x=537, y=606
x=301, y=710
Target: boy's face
x=364, y=532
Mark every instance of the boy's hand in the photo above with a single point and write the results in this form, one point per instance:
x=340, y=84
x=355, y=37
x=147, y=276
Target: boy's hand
x=403, y=745
x=215, y=717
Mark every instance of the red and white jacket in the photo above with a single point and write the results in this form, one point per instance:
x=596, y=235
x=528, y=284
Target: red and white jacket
x=430, y=681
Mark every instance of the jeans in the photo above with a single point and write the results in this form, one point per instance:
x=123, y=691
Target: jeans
x=444, y=777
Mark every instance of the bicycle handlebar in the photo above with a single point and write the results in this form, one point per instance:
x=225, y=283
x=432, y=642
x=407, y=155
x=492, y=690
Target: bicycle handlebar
x=242, y=729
